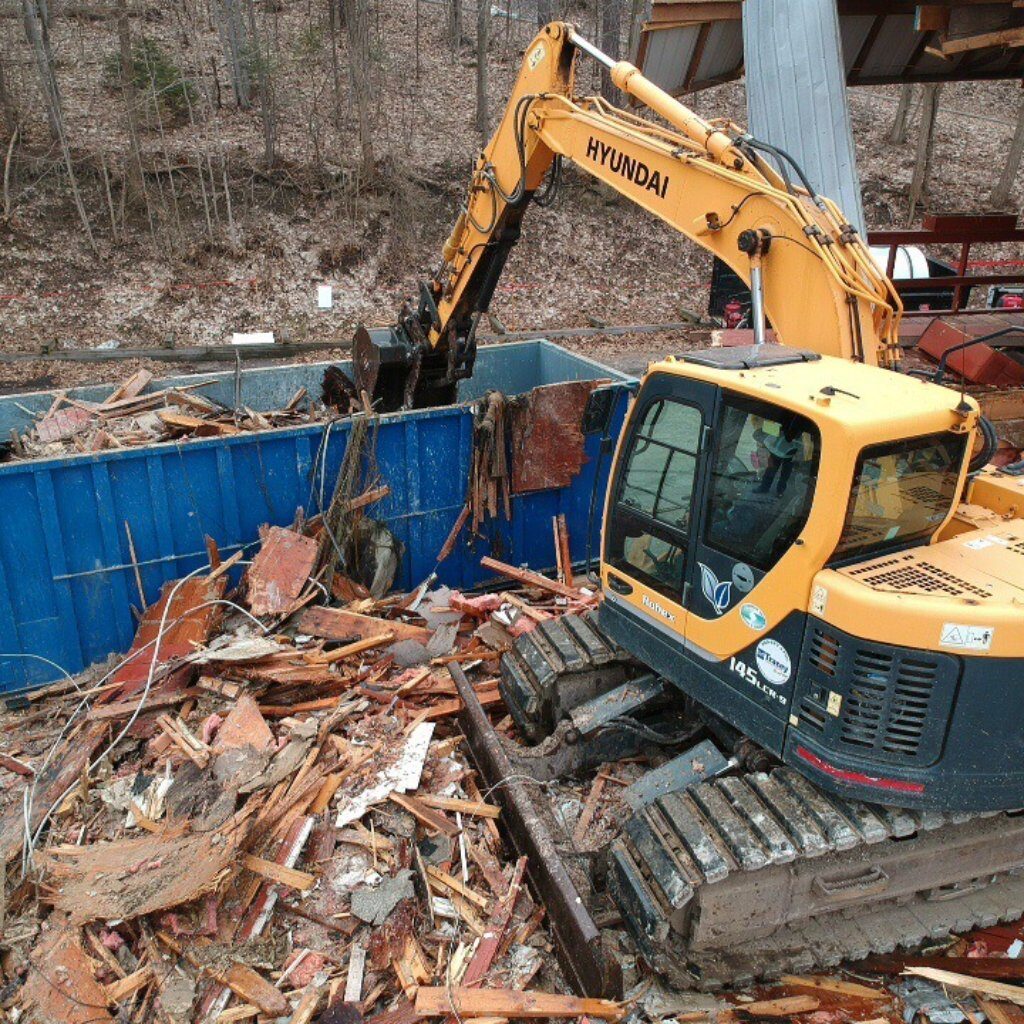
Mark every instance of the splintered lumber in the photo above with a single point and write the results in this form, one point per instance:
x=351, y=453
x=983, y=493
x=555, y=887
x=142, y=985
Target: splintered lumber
x=438, y=1001
x=124, y=987
x=339, y=624
x=563, y=557
x=993, y=989
x=60, y=985
x=240, y=978
x=784, y=1007
x=475, y=808
x=427, y=816
x=130, y=388
x=441, y=878
x=531, y=579
x=358, y=647
x=1001, y=1013
x=301, y=880
x=835, y=986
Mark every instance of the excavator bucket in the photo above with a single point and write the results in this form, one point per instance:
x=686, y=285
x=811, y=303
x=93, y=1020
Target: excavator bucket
x=385, y=365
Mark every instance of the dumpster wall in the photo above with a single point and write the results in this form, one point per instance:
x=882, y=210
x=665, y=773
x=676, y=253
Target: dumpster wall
x=66, y=579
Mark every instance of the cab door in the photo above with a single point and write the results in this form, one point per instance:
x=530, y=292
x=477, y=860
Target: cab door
x=652, y=515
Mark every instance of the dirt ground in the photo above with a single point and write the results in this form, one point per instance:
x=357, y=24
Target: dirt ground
x=590, y=260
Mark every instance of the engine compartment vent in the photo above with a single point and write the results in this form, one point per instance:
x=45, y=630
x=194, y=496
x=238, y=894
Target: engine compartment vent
x=878, y=702
x=910, y=573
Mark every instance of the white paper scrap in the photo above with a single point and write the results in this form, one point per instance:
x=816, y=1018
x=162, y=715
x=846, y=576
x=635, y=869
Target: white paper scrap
x=402, y=775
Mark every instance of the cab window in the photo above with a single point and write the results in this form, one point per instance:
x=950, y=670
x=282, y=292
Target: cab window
x=902, y=492
x=763, y=475
x=651, y=516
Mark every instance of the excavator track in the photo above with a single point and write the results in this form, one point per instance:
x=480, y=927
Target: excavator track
x=753, y=875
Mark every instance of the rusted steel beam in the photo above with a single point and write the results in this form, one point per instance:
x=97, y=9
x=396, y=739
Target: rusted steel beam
x=578, y=940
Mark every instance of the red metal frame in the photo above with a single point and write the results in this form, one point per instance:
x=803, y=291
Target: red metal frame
x=964, y=231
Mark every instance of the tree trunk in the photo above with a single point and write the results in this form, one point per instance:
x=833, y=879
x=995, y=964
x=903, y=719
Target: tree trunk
x=925, y=148
x=636, y=17
x=611, y=34
x=260, y=59
x=37, y=30
x=545, y=12
x=454, y=24
x=898, y=132
x=1000, y=197
x=359, y=72
x=483, y=35
x=8, y=108
x=134, y=176
x=231, y=29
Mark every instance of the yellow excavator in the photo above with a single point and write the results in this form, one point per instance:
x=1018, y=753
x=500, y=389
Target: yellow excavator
x=810, y=584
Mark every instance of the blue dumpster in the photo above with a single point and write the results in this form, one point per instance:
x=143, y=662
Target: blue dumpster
x=67, y=582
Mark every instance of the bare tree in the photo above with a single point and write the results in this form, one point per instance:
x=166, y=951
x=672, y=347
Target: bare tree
x=636, y=17
x=925, y=148
x=1000, y=196
x=453, y=23
x=8, y=108
x=611, y=42
x=233, y=39
x=483, y=35
x=898, y=131
x=36, y=18
x=133, y=171
x=360, y=74
x=259, y=57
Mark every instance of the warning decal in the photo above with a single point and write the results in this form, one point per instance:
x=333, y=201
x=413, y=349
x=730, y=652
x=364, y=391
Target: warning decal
x=966, y=638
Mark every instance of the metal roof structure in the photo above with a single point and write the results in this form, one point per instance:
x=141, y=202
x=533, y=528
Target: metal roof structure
x=689, y=45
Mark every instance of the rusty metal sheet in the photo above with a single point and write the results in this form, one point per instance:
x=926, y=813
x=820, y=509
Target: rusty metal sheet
x=187, y=626
x=547, y=444
x=280, y=571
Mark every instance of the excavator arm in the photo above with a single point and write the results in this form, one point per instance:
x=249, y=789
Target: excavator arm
x=810, y=273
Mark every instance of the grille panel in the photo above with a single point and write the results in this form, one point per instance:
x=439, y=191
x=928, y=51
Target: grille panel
x=908, y=574
x=876, y=702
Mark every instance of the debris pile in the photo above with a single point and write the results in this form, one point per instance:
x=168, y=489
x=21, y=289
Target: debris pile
x=131, y=416
x=264, y=809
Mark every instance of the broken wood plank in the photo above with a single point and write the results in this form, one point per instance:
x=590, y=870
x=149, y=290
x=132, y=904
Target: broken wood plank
x=425, y=815
x=446, y=881
x=12, y=764
x=240, y=978
x=589, y=810
x=301, y=880
x=784, y=1007
x=994, y=989
x=124, y=987
x=474, y=808
x=439, y=1001
x=835, y=986
x=529, y=578
x=130, y=388
x=358, y=647
x=453, y=707
x=341, y=624
x=279, y=571
x=60, y=986
x=563, y=556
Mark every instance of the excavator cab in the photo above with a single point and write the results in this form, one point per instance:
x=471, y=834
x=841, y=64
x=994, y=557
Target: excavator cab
x=771, y=547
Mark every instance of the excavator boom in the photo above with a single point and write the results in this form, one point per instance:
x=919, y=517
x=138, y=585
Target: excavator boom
x=810, y=273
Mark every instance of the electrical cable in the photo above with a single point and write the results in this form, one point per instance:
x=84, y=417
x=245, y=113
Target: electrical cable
x=989, y=446
x=38, y=657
